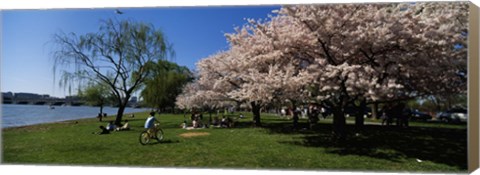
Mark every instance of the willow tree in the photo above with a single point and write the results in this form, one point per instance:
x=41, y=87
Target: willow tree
x=95, y=95
x=117, y=55
x=164, y=84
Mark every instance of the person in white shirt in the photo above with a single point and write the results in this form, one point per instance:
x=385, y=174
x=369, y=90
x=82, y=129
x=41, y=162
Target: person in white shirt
x=150, y=123
x=111, y=126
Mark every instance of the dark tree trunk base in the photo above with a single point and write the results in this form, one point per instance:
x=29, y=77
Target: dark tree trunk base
x=118, y=119
x=375, y=114
x=339, y=123
x=359, y=118
x=256, y=114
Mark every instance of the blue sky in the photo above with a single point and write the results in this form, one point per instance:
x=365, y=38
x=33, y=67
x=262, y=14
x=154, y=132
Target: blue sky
x=26, y=62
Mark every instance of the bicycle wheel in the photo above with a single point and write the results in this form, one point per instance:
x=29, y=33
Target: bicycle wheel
x=144, y=138
x=159, y=135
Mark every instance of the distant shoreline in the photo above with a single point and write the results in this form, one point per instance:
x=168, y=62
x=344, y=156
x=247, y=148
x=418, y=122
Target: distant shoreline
x=70, y=121
x=27, y=115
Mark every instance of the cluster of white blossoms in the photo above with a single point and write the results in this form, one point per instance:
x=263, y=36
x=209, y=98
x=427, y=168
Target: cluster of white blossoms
x=323, y=52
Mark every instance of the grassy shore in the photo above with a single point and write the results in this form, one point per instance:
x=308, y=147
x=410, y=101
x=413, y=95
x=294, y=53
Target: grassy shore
x=420, y=148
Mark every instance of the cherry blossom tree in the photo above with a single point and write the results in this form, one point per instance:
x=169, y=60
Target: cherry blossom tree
x=206, y=91
x=373, y=52
x=269, y=63
x=340, y=54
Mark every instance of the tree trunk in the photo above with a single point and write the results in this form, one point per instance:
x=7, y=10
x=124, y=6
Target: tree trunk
x=256, y=114
x=375, y=110
x=118, y=120
x=184, y=115
x=101, y=109
x=121, y=109
x=210, y=117
x=295, y=115
x=339, y=123
x=359, y=118
x=238, y=104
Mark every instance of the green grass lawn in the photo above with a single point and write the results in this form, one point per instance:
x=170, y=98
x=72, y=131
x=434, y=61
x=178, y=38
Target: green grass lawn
x=441, y=148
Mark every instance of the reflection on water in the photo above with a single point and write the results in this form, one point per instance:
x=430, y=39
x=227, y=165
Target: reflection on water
x=22, y=115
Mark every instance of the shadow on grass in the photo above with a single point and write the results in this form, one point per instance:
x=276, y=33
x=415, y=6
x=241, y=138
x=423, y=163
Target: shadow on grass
x=163, y=142
x=439, y=145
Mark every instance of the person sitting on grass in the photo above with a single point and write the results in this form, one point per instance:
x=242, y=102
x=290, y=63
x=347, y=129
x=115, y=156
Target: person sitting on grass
x=199, y=121
x=111, y=126
x=184, y=124
x=215, y=122
x=194, y=119
x=124, y=127
x=150, y=123
x=103, y=131
x=194, y=123
x=230, y=122
x=384, y=118
x=225, y=122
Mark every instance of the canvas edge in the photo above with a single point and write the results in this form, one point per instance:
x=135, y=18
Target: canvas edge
x=473, y=89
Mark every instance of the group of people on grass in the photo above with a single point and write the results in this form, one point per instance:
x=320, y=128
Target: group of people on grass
x=312, y=112
x=225, y=122
x=112, y=127
x=149, y=125
x=197, y=121
x=391, y=111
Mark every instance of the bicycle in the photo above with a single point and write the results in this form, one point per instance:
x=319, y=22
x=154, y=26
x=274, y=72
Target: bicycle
x=145, y=136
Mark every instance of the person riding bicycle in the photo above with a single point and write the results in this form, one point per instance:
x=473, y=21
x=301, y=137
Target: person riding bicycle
x=150, y=123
